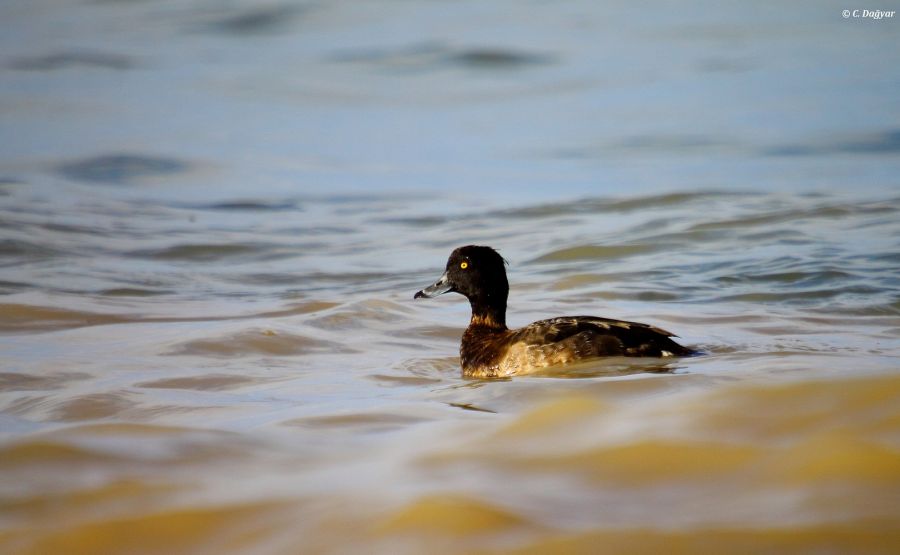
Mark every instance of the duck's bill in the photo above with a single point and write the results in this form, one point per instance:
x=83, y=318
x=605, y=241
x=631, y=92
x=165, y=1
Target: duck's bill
x=440, y=287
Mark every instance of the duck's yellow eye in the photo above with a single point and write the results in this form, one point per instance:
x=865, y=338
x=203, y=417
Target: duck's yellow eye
x=464, y=265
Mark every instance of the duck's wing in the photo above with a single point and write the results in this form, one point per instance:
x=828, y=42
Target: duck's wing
x=596, y=336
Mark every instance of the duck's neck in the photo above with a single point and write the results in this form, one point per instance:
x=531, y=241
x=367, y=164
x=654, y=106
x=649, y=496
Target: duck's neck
x=490, y=313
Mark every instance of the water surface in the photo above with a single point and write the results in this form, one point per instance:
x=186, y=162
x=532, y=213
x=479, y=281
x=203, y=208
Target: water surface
x=213, y=218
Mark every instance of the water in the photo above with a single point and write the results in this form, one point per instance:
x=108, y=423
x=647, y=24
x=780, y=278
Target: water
x=214, y=215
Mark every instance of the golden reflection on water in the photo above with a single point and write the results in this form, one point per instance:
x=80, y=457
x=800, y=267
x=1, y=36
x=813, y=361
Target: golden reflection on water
x=788, y=467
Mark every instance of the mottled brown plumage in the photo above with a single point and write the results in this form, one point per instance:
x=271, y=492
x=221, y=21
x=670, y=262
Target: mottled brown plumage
x=490, y=349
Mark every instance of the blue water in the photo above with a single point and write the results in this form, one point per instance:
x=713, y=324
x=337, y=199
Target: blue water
x=506, y=101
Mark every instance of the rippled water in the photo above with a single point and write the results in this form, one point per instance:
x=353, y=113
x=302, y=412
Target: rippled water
x=213, y=219
x=182, y=387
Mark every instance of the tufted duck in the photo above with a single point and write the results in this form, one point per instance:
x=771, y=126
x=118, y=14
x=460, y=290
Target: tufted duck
x=490, y=349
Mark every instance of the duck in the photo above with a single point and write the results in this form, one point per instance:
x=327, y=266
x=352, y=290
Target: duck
x=489, y=349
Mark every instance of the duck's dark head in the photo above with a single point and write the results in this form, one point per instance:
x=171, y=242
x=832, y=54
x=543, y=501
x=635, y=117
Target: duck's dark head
x=478, y=273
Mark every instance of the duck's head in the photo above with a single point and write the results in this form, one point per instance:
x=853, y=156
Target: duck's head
x=476, y=272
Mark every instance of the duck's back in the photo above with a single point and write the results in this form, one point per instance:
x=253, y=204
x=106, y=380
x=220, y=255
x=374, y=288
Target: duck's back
x=564, y=340
x=592, y=336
